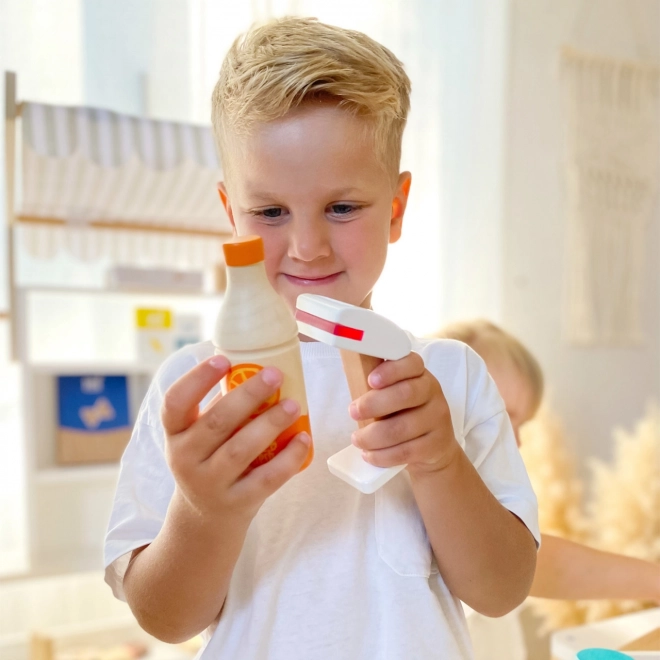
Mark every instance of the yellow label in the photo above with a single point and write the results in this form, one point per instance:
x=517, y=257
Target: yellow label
x=154, y=319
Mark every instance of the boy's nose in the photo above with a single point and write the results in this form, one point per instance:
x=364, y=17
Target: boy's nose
x=309, y=240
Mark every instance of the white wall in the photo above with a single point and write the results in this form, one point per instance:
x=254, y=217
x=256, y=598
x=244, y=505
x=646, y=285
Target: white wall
x=116, y=45
x=593, y=389
x=475, y=46
x=137, y=56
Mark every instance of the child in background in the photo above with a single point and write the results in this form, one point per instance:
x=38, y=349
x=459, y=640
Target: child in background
x=564, y=570
x=278, y=563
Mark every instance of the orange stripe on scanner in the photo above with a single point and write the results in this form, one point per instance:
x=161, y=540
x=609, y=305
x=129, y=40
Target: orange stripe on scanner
x=336, y=329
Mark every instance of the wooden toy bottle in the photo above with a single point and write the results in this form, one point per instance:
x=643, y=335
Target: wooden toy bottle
x=256, y=329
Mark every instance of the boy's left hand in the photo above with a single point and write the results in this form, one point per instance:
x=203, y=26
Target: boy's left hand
x=415, y=422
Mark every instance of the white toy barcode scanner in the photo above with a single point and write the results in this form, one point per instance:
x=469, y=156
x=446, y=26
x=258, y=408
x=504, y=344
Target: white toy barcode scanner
x=365, y=339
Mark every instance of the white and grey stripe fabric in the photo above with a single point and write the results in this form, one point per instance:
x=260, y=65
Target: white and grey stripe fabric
x=85, y=164
x=130, y=248
x=110, y=139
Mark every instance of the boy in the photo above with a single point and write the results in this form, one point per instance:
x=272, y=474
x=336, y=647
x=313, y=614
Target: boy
x=276, y=564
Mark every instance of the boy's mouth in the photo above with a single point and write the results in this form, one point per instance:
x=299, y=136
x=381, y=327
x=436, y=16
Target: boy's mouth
x=309, y=280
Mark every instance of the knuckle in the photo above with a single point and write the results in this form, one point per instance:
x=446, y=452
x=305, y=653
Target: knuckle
x=417, y=360
x=269, y=478
x=235, y=452
x=278, y=417
x=218, y=424
x=170, y=405
x=258, y=389
x=404, y=454
x=361, y=407
x=357, y=438
x=396, y=426
x=177, y=460
x=406, y=389
x=434, y=388
x=363, y=439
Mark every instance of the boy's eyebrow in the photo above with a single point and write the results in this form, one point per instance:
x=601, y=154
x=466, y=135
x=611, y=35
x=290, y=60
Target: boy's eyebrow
x=265, y=197
x=268, y=197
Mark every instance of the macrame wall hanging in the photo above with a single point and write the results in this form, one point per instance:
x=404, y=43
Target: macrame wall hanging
x=612, y=115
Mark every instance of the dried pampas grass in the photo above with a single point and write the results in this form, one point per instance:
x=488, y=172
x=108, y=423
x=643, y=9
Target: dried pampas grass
x=622, y=514
x=624, y=507
x=552, y=470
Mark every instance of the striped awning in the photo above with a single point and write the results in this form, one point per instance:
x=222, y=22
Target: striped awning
x=84, y=164
x=90, y=172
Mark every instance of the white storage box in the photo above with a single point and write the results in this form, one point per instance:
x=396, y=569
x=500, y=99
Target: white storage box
x=615, y=633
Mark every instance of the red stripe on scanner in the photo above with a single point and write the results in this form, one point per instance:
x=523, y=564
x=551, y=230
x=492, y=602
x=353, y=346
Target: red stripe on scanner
x=333, y=328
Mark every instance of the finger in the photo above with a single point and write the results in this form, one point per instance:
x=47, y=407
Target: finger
x=402, y=395
x=401, y=454
x=391, y=431
x=264, y=480
x=230, y=412
x=392, y=371
x=234, y=457
x=181, y=402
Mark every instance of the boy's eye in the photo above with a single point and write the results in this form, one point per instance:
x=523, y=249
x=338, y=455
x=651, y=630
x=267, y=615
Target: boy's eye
x=343, y=209
x=270, y=214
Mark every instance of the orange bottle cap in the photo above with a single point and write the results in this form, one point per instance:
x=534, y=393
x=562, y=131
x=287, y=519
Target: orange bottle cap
x=243, y=250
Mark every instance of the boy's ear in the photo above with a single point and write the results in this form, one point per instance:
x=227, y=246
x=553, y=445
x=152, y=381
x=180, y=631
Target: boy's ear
x=399, y=205
x=224, y=198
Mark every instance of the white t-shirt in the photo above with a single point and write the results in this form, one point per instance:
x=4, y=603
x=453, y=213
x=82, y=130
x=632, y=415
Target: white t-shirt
x=327, y=572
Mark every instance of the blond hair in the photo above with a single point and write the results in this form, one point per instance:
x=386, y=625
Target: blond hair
x=491, y=341
x=285, y=63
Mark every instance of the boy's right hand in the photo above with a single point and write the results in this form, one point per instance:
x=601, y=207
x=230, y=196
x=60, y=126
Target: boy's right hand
x=209, y=452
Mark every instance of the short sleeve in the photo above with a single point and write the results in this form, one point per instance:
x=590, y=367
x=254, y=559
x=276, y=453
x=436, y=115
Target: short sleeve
x=143, y=494
x=145, y=485
x=482, y=426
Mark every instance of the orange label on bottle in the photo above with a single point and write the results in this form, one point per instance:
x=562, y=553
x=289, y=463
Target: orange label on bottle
x=282, y=440
x=239, y=373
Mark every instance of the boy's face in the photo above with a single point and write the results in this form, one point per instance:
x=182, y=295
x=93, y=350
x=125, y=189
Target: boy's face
x=311, y=186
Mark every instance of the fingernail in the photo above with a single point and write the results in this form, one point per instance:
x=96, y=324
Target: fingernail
x=271, y=376
x=354, y=439
x=353, y=411
x=218, y=362
x=290, y=406
x=304, y=438
x=375, y=380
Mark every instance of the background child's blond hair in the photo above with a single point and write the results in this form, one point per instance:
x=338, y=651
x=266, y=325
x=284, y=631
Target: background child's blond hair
x=492, y=342
x=276, y=67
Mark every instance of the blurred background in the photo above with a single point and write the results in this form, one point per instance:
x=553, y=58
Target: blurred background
x=110, y=254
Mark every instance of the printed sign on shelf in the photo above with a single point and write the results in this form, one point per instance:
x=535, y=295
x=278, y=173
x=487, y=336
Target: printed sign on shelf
x=93, y=418
x=154, y=334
